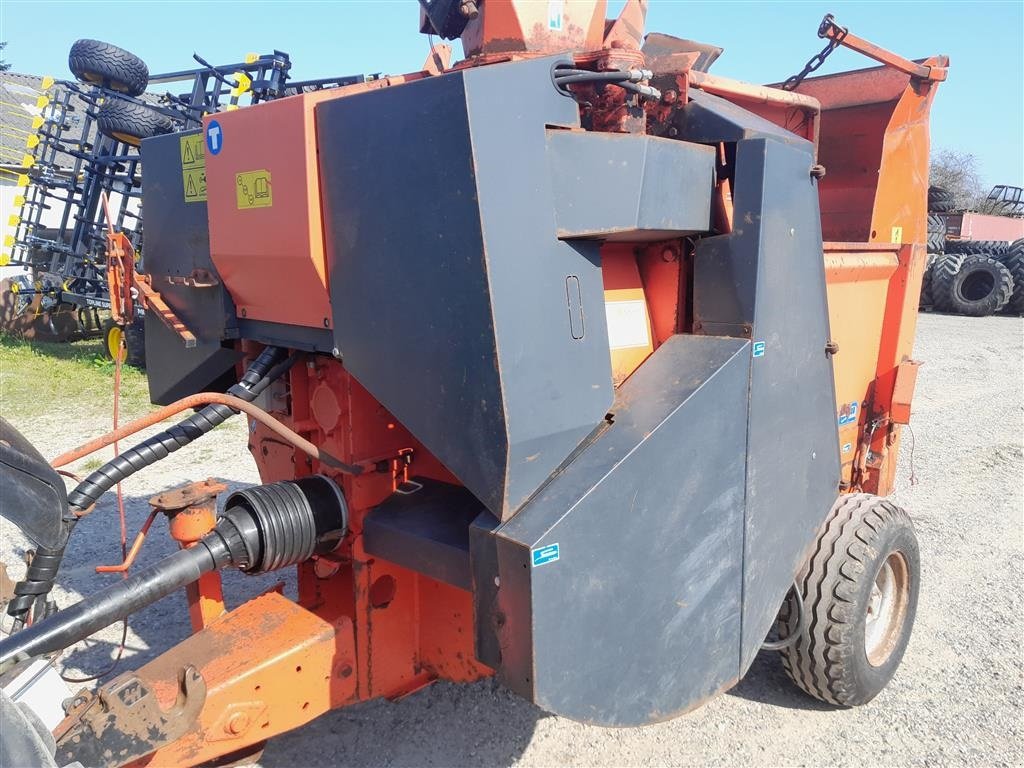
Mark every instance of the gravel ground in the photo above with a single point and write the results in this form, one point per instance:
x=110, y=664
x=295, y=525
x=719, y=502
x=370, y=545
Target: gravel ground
x=958, y=698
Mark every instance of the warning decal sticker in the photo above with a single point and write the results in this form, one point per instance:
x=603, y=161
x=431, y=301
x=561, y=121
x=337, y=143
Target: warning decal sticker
x=253, y=190
x=193, y=169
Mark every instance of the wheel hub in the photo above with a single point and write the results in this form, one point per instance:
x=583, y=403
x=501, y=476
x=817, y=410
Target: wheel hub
x=887, y=609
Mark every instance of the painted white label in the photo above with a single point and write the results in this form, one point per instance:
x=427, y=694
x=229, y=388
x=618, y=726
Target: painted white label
x=627, y=324
x=555, y=10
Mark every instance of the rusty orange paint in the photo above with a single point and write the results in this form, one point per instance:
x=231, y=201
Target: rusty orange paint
x=205, y=600
x=252, y=247
x=269, y=666
x=903, y=392
x=523, y=26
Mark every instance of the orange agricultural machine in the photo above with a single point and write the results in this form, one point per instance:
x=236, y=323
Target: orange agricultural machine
x=572, y=364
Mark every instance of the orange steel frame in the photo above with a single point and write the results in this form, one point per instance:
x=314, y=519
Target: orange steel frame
x=362, y=627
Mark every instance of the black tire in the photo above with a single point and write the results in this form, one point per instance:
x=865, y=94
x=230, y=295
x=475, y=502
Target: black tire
x=936, y=233
x=134, y=336
x=110, y=335
x=943, y=272
x=106, y=65
x=842, y=655
x=940, y=200
x=926, y=281
x=973, y=284
x=1015, y=266
x=991, y=247
x=130, y=122
x=135, y=339
x=1016, y=248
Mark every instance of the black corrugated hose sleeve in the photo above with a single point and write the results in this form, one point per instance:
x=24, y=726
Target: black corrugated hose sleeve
x=181, y=434
x=41, y=572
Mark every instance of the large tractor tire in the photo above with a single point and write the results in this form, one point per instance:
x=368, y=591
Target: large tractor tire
x=936, y=233
x=927, y=300
x=134, y=338
x=859, y=590
x=129, y=122
x=974, y=284
x=1016, y=248
x=940, y=200
x=106, y=65
x=1015, y=266
x=994, y=248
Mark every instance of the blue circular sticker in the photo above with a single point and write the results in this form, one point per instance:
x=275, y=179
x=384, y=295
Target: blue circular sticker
x=214, y=137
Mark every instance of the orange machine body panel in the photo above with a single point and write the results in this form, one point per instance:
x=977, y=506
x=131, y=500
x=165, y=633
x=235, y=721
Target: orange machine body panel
x=268, y=245
x=857, y=276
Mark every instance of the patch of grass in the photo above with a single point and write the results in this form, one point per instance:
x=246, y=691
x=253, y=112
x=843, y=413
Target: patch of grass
x=91, y=465
x=73, y=379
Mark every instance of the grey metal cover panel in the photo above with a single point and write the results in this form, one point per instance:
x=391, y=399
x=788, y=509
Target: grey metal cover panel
x=638, y=618
x=426, y=531
x=177, y=242
x=770, y=274
x=174, y=371
x=455, y=304
x=712, y=119
x=635, y=188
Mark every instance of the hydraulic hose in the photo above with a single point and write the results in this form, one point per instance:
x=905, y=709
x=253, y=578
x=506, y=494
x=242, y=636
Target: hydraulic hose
x=42, y=571
x=149, y=451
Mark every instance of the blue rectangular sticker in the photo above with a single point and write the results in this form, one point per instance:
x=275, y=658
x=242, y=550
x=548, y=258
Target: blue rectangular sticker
x=758, y=349
x=542, y=555
x=848, y=413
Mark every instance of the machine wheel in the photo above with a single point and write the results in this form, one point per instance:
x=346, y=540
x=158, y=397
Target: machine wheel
x=106, y=65
x=943, y=272
x=936, y=233
x=134, y=337
x=975, y=285
x=991, y=247
x=1016, y=248
x=860, y=589
x=130, y=122
x=1015, y=266
x=926, y=281
x=940, y=200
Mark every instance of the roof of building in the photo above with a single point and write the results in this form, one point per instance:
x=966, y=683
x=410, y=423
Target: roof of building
x=22, y=101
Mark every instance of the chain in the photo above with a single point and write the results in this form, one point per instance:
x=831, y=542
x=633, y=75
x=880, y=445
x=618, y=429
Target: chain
x=817, y=60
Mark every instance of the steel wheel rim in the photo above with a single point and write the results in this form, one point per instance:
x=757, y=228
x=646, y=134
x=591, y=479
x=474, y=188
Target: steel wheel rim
x=886, y=609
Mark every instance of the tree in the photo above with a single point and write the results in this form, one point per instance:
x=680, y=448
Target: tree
x=4, y=66
x=957, y=172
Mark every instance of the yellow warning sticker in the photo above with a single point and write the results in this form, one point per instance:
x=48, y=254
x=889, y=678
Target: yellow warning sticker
x=254, y=190
x=193, y=168
x=897, y=236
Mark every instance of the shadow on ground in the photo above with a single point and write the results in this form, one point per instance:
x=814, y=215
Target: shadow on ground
x=766, y=682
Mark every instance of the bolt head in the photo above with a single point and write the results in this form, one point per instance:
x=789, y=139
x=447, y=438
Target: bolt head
x=237, y=723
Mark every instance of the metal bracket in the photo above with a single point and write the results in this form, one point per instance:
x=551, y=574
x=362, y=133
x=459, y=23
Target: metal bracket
x=122, y=721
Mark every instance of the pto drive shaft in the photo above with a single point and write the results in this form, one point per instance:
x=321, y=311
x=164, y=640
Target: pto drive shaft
x=263, y=529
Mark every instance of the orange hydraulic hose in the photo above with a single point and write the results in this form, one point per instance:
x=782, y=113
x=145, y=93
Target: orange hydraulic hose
x=206, y=398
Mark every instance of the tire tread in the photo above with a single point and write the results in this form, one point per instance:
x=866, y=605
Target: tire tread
x=829, y=585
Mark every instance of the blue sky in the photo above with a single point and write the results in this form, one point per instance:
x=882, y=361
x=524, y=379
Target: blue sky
x=980, y=109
